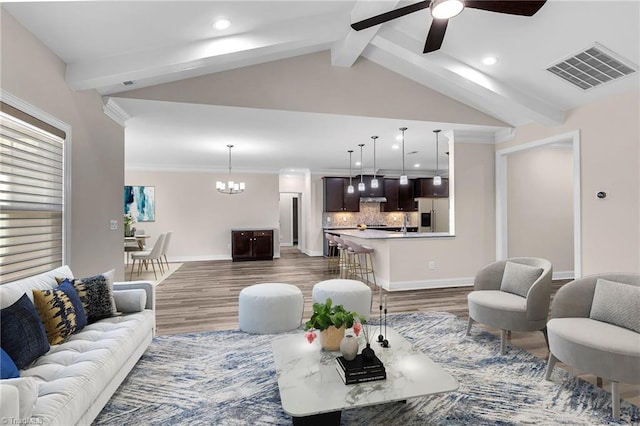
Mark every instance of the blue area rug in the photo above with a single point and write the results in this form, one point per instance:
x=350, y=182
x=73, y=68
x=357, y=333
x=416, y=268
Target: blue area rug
x=229, y=378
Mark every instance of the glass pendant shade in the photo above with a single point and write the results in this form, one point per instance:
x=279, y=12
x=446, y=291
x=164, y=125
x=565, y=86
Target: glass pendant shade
x=374, y=181
x=350, y=189
x=361, y=186
x=403, y=178
x=437, y=180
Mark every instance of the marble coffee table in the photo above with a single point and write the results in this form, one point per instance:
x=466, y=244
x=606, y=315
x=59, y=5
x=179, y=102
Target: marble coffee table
x=312, y=391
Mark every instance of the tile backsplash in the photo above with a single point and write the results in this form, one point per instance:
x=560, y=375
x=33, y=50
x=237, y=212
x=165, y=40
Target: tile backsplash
x=369, y=214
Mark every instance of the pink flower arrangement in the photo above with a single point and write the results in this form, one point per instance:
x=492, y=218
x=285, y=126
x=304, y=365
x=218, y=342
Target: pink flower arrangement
x=310, y=336
x=357, y=328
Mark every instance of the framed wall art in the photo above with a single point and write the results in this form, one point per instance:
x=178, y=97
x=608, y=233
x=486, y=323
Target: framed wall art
x=140, y=203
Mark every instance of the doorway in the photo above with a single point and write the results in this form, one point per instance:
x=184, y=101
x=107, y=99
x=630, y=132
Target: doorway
x=289, y=219
x=532, y=212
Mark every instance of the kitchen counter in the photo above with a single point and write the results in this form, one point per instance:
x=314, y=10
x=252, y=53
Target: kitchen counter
x=408, y=261
x=378, y=234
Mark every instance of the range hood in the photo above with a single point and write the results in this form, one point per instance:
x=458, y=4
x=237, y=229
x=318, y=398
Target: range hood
x=373, y=199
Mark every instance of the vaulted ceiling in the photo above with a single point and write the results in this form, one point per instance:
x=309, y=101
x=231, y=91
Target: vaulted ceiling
x=148, y=43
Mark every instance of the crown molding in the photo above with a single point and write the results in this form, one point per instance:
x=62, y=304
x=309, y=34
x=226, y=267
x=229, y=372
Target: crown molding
x=115, y=112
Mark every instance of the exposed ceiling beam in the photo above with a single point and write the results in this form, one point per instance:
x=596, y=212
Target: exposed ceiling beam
x=345, y=52
x=403, y=54
x=206, y=56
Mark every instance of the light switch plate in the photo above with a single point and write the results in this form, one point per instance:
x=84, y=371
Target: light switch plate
x=114, y=225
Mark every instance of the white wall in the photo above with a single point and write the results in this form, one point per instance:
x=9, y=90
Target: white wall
x=610, y=161
x=201, y=219
x=31, y=72
x=540, y=205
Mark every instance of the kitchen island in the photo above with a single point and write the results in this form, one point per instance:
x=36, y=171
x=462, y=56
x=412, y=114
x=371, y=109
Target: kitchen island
x=409, y=261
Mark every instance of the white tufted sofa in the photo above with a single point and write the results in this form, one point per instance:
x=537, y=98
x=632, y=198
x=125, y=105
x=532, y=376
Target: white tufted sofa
x=71, y=383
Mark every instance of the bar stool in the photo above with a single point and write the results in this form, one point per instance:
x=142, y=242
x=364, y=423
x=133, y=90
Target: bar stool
x=344, y=258
x=334, y=259
x=362, y=263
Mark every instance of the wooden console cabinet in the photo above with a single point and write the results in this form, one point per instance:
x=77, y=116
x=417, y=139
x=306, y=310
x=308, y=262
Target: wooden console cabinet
x=254, y=244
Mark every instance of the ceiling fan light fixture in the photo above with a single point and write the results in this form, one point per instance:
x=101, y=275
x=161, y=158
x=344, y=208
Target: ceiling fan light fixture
x=445, y=9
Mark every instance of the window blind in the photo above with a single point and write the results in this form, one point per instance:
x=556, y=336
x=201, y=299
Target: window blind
x=31, y=197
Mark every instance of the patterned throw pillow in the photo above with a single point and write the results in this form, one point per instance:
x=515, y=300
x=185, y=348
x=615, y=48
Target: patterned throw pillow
x=57, y=313
x=81, y=317
x=22, y=334
x=617, y=304
x=96, y=293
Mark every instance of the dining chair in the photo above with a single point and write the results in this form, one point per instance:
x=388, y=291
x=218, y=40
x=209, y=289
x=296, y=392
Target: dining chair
x=132, y=246
x=165, y=247
x=149, y=256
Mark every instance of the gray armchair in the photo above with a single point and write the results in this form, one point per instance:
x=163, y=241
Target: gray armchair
x=512, y=295
x=596, y=329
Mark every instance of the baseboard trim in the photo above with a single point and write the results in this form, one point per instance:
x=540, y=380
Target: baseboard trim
x=423, y=285
x=206, y=257
x=564, y=275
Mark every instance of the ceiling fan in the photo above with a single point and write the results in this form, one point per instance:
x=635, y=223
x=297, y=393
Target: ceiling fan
x=442, y=10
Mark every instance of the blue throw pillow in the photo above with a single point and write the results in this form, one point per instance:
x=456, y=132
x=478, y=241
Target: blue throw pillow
x=8, y=369
x=22, y=334
x=81, y=317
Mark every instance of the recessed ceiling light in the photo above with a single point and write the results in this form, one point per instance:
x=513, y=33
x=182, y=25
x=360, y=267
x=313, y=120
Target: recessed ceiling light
x=399, y=137
x=489, y=60
x=358, y=163
x=395, y=146
x=222, y=24
x=416, y=165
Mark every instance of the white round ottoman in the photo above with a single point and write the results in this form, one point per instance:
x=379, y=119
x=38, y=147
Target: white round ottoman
x=270, y=308
x=353, y=295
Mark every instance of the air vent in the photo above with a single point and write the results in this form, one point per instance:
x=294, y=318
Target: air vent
x=127, y=83
x=591, y=68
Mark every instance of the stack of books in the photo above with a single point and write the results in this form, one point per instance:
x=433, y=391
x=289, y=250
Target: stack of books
x=357, y=371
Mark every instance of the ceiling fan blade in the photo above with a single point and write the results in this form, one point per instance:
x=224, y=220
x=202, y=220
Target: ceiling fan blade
x=513, y=7
x=436, y=35
x=388, y=16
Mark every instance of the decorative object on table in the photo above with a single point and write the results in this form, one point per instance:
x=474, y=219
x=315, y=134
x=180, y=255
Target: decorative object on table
x=358, y=370
x=368, y=354
x=385, y=342
x=349, y=347
x=362, y=226
x=140, y=203
x=331, y=320
x=129, y=220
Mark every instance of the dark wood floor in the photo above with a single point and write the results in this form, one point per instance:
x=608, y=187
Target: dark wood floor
x=201, y=296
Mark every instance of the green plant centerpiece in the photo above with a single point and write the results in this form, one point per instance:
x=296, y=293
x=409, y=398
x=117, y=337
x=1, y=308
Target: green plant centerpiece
x=332, y=321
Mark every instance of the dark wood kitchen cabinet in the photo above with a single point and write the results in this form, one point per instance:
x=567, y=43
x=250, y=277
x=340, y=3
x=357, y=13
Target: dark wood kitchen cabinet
x=337, y=199
x=424, y=187
x=252, y=245
x=400, y=198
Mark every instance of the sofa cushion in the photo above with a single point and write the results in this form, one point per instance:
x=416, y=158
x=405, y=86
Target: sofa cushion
x=27, y=395
x=518, y=278
x=57, y=314
x=8, y=369
x=96, y=293
x=22, y=334
x=617, y=304
x=81, y=318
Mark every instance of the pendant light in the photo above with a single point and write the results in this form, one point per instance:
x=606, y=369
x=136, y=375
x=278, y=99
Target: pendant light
x=350, y=187
x=374, y=181
x=230, y=187
x=404, y=180
x=437, y=180
x=361, y=184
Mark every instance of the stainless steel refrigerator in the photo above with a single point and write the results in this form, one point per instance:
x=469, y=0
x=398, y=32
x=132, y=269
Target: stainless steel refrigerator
x=433, y=214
